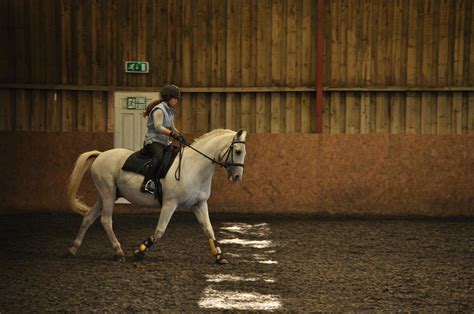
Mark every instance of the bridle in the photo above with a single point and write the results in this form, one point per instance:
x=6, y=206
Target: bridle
x=228, y=155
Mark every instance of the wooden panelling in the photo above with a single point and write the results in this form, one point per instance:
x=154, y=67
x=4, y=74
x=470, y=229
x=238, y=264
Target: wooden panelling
x=263, y=49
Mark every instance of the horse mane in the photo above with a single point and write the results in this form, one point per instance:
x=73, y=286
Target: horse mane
x=215, y=132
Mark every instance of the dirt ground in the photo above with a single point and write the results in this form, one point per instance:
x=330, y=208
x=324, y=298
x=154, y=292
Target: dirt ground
x=280, y=263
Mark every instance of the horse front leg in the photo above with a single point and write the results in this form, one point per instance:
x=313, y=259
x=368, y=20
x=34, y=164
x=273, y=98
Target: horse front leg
x=166, y=212
x=202, y=214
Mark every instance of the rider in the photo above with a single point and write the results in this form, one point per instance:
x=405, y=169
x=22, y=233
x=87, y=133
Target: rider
x=160, y=126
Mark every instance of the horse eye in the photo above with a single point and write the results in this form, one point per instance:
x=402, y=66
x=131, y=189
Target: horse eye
x=238, y=152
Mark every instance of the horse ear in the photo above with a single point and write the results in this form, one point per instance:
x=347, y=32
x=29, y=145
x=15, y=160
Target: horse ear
x=241, y=134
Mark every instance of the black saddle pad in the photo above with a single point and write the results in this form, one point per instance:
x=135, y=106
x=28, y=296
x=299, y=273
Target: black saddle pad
x=140, y=161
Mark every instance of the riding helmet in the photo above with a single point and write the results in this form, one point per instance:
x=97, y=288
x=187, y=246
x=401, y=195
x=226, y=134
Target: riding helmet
x=170, y=91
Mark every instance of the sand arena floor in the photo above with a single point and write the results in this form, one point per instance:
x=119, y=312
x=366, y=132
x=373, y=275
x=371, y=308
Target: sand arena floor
x=280, y=263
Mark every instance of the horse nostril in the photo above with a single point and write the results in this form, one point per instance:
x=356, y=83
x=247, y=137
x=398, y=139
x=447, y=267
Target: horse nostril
x=237, y=177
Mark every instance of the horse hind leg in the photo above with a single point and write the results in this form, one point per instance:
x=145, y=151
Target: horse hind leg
x=106, y=221
x=87, y=221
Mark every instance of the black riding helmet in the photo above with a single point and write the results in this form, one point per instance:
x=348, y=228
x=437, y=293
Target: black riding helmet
x=170, y=91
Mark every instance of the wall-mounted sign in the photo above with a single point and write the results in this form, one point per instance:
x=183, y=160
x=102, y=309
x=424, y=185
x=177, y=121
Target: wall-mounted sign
x=136, y=67
x=137, y=103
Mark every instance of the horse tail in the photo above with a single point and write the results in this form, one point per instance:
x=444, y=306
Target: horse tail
x=82, y=164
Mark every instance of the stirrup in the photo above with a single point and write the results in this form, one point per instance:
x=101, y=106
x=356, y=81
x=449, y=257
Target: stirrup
x=150, y=187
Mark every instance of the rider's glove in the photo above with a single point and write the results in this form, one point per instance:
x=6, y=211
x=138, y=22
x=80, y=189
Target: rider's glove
x=177, y=136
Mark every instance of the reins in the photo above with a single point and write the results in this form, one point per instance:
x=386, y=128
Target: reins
x=226, y=164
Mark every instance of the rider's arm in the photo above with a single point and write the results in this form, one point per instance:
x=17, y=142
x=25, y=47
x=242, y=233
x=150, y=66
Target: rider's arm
x=158, y=122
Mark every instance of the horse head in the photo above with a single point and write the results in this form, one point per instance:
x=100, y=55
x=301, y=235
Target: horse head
x=234, y=156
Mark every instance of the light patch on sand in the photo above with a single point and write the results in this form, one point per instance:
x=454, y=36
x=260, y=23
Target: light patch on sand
x=258, y=244
x=235, y=300
x=268, y=262
x=261, y=229
x=232, y=278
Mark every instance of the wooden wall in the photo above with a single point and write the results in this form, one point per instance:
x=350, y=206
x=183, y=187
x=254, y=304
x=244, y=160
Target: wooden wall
x=401, y=66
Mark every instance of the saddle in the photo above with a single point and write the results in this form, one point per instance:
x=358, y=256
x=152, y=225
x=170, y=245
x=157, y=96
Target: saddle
x=140, y=162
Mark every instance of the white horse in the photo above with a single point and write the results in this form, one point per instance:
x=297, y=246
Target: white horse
x=192, y=190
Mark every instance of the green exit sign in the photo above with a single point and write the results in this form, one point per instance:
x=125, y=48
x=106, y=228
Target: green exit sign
x=136, y=67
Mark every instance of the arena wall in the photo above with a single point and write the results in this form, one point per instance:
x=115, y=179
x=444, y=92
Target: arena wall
x=382, y=174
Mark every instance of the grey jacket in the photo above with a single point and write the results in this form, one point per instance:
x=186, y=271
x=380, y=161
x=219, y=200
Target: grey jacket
x=155, y=128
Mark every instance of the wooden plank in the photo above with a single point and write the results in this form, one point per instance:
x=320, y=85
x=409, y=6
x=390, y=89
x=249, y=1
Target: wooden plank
x=110, y=112
x=99, y=112
x=84, y=111
x=352, y=43
x=38, y=110
x=142, y=28
x=457, y=113
x=229, y=110
x=36, y=40
x=50, y=44
x=395, y=114
x=260, y=113
x=217, y=113
x=6, y=105
x=443, y=42
x=69, y=110
x=366, y=42
x=113, y=57
x=291, y=45
x=306, y=113
x=246, y=112
x=263, y=43
x=352, y=121
x=21, y=43
x=53, y=111
x=246, y=45
x=442, y=114
x=412, y=43
x=428, y=124
x=335, y=113
x=365, y=113
x=459, y=43
x=336, y=45
x=218, y=42
x=290, y=107
x=23, y=110
x=427, y=60
x=343, y=25
x=470, y=113
x=202, y=113
x=382, y=123
x=202, y=51
x=83, y=31
x=307, y=41
x=66, y=43
x=465, y=113
x=275, y=126
x=412, y=113
x=233, y=43
x=188, y=113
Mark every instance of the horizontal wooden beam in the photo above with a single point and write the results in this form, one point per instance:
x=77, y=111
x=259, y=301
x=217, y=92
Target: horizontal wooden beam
x=262, y=89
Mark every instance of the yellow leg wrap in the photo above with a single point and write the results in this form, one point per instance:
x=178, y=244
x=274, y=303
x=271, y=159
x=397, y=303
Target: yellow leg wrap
x=142, y=247
x=214, y=250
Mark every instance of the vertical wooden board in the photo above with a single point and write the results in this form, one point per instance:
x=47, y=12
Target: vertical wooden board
x=375, y=45
x=465, y=113
x=444, y=35
x=142, y=36
x=69, y=110
x=352, y=45
x=277, y=42
x=21, y=42
x=49, y=44
x=427, y=124
x=457, y=113
x=53, y=111
x=23, y=110
x=459, y=43
x=229, y=110
x=233, y=43
x=471, y=49
x=352, y=121
x=202, y=113
x=470, y=113
x=217, y=115
x=412, y=43
x=264, y=34
x=84, y=111
x=365, y=113
x=38, y=110
x=335, y=112
x=366, y=44
x=246, y=43
x=83, y=31
x=202, y=51
x=397, y=30
x=307, y=40
x=290, y=113
x=36, y=40
x=246, y=112
x=99, y=112
x=218, y=42
x=110, y=111
x=441, y=113
x=275, y=126
x=336, y=45
x=291, y=44
x=412, y=110
x=395, y=113
x=187, y=42
x=66, y=44
x=260, y=112
x=427, y=59
x=305, y=113
x=6, y=106
x=382, y=122
x=113, y=57
x=94, y=41
x=343, y=40
x=188, y=113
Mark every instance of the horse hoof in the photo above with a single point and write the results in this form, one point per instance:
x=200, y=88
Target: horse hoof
x=71, y=252
x=222, y=261
x=119, y=258
x=138, y=255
